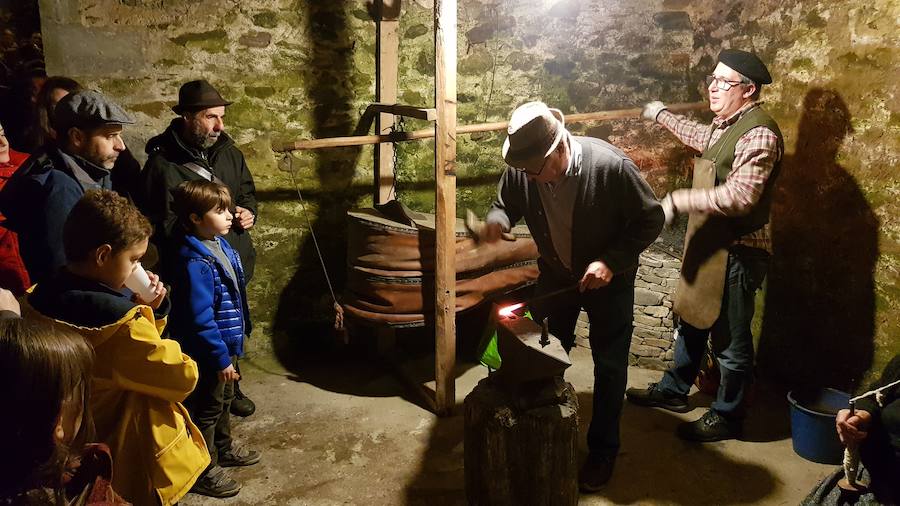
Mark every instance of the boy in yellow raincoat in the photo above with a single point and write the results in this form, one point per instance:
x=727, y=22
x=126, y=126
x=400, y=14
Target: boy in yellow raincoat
x=139, y=378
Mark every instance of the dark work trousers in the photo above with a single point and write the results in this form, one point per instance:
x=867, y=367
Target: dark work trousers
x=746, y=270
x=209, y=405
x=610, y=311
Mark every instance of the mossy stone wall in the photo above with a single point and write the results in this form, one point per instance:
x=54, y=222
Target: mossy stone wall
x=305, y=68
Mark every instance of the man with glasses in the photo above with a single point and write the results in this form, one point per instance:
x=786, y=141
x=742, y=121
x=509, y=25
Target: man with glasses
x=591, y=214
x=727, y=244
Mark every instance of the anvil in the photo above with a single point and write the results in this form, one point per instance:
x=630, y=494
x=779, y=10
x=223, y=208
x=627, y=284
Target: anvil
x=527, y=351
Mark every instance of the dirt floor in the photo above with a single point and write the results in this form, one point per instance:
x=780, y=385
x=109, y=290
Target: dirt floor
x=343, y=428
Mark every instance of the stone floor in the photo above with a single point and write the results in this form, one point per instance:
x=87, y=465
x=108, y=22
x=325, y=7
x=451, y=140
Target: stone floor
x=339, y=428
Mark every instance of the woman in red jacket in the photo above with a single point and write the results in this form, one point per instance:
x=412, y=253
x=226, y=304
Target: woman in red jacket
x=13, y=275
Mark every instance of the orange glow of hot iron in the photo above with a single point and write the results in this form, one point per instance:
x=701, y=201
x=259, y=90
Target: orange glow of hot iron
x=507, y=311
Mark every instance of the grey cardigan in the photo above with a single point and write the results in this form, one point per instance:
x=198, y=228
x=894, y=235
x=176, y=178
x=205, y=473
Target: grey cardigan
x=616, y=214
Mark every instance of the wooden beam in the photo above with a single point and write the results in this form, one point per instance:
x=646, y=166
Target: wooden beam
x=445, y=204
x=408, y=111
x=387, y=63
x=361, y=140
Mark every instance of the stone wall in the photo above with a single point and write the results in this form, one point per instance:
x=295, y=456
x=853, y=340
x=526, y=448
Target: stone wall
x=652, y=342
x=305, y=68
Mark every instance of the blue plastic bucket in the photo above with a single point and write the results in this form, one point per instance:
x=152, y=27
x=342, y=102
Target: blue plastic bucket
x=813, y=414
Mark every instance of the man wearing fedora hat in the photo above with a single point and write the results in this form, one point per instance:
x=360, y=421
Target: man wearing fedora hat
x=591, y=214
x=727, y=244
x=195, y=146
x=37, y=199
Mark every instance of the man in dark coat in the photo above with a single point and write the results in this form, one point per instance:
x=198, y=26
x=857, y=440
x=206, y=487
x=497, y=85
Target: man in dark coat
x=37, y=199
x=195, y=146
x=591, y=214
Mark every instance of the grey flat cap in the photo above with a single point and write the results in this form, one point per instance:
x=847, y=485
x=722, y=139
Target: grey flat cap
x=88, y=109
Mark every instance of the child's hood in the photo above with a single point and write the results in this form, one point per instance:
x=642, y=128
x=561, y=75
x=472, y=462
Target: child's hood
x=86, y=304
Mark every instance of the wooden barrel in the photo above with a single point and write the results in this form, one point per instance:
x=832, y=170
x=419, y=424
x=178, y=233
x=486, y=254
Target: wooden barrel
x=390, y=268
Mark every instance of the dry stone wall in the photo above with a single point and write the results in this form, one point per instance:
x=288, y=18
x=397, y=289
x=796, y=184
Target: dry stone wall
x=652, y=341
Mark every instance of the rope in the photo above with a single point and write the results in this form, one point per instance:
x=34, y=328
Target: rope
x=878, y=393
x=339, y=310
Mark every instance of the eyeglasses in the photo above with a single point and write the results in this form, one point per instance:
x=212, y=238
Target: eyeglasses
x=543, y=165
x=538, y=173
x=721, y=83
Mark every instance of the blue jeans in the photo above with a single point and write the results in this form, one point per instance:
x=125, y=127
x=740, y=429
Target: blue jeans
x=746, y=270
x=610, y=310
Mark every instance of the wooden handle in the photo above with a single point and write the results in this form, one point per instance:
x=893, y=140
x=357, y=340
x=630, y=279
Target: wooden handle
x=362, y=140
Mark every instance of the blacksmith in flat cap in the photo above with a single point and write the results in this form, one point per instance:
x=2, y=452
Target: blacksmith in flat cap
x=727, y=244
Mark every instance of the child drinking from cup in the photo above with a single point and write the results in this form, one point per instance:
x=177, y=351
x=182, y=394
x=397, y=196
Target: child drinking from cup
x=139, y=378
x=210, y=318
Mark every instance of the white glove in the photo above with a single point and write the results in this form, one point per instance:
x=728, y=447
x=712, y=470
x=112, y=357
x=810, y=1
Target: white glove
x=652, y=110
x=669, y=209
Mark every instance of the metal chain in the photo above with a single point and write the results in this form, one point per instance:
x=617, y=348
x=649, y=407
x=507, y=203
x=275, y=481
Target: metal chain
x=399, y=127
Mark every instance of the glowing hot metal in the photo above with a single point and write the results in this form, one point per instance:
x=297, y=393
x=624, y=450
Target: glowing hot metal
x=507, y=311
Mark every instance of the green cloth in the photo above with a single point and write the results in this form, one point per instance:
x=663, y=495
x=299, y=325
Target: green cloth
x=488, y=351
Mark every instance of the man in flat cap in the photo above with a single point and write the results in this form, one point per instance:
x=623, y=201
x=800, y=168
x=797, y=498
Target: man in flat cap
x=727, y=244
x=195, y=146
x=591, y=214
x=38, y=198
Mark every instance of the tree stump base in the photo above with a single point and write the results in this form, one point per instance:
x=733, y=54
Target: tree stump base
x=521, y=444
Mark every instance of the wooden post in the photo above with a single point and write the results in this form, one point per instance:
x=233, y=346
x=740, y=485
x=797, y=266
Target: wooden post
x=445, y=204
x=387, y=41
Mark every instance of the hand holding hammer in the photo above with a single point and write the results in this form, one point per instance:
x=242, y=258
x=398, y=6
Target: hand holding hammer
x=485, y=232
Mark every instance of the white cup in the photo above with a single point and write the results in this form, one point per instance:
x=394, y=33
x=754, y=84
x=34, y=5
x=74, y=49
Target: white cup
x=139, y=283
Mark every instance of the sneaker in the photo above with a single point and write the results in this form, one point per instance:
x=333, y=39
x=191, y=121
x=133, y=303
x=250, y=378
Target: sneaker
x=216, y=483
x=238, y=456
x=241, y=405
x=654, y=397
x=710, y=427
x=595, y=473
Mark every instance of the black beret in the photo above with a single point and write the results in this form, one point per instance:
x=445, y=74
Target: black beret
x=87, y=109
x=747, y=64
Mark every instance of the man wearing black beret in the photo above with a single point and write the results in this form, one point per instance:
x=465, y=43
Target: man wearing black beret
x=727, y=244
x=38, y=198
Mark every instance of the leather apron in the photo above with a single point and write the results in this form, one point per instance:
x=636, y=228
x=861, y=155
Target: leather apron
x=701, y=286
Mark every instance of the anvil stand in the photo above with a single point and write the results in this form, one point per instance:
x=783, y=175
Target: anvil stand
x=521, y=423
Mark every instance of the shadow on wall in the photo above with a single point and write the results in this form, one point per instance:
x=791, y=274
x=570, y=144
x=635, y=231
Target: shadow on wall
x=305, y=305
x=818, y=326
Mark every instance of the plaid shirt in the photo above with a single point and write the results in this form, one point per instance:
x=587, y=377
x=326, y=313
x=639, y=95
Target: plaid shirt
x=755, y=155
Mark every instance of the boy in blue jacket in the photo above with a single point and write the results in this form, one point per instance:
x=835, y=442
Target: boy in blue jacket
x=210, y=318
